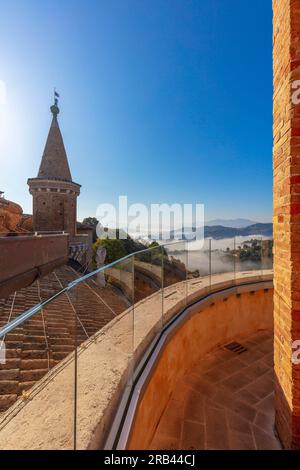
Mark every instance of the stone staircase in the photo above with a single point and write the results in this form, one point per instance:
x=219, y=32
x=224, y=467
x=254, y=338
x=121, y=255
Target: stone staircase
x=47, y=337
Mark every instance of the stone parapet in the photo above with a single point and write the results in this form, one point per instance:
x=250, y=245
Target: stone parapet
x=106, y=361
x=24, y=258
x=53, y=185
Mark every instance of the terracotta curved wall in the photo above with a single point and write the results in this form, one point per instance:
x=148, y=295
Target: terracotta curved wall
x=205, y=329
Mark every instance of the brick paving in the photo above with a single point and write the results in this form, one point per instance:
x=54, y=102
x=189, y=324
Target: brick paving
x=224, y=402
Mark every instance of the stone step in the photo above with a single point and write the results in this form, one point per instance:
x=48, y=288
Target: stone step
x=58, y=356
x=10, y=364
x=57, y=332
x=9, y=386
x=35, y=354
x=12, y=344
x=34, y=324
x=12, y=353
x=62, y=348
x=26, y=386
x=33, y=364
x=6, y=401
x=13, y=337
x=9, y=374
x=33, y=346
x=52, y=324
x=35, y=338
x=32, y=375
x=33, y=331
x=64, y=341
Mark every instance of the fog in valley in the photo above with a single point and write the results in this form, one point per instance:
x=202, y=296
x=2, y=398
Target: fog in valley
x=241, y=254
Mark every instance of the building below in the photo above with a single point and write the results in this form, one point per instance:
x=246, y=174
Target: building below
x=12, y=218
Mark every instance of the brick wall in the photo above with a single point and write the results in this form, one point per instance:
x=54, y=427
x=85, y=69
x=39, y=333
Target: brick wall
x=54, y=205
x=286, y=167
x=54, y=212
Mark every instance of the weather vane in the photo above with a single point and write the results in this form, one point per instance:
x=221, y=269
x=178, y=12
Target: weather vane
x=56, y=96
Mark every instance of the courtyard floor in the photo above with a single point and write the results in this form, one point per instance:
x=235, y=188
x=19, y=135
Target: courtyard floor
x=225, y=402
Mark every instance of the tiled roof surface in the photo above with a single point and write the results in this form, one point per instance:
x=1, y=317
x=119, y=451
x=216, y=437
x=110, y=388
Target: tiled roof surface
x=54, y=162
x=49, y=336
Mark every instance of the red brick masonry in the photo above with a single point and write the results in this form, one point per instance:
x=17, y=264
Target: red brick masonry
x=286, y=221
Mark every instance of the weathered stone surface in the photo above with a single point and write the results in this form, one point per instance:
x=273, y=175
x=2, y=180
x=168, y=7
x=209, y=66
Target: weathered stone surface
x=10, y=216
x=26, y=223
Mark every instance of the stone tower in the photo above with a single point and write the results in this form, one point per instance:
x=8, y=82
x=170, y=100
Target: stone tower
x=53, y=191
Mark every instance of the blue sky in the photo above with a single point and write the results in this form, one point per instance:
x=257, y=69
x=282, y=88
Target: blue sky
x=161, y=100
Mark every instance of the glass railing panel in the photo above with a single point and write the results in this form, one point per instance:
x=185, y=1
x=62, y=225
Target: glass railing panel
x=175, y=262
x=37, y=379
x=28, y=297
x=104, y=308
x=74, y=355
x=198, y=267
x=222, y=261
x=148, y=295
x=248, y=256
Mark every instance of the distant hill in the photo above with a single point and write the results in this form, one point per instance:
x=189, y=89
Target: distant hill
x=231, y=223
x=219, y=231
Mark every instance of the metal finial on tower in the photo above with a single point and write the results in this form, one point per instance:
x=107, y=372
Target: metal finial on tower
x=54, y=108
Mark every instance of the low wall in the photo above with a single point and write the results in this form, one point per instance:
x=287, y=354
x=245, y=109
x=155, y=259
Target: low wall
x=206, y=328
x=24, y=258
x=106, y=361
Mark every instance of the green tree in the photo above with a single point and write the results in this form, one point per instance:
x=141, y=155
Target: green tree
x=93, y=222
x=114, y=249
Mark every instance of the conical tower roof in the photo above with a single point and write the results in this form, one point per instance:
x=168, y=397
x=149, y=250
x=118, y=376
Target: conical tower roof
x=54, y=164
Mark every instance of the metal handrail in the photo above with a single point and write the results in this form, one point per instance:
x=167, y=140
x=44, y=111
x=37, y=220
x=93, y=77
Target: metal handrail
x=28, y=313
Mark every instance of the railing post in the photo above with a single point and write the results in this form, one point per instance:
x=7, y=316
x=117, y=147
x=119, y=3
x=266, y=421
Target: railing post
x=234, y=259
x=162, y=285
x=186, y=249
x=75, y=371
x=209, y=261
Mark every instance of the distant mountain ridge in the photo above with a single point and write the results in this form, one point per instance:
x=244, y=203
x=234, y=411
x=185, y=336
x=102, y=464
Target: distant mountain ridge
x=218, y=231
x=231, y=223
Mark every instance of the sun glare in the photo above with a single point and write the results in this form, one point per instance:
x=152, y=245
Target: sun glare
x=2, y=92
